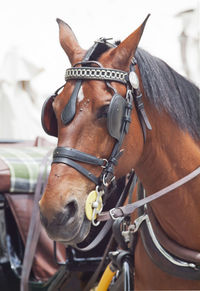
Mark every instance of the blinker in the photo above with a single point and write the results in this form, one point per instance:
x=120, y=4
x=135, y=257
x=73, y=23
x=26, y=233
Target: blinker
x=69, y=111
x=115, y=116
x=48, y=117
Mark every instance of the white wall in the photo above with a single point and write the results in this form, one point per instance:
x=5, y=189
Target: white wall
x=31, y=25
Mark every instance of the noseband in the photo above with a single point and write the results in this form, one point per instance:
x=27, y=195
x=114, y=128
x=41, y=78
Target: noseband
x=118, y=118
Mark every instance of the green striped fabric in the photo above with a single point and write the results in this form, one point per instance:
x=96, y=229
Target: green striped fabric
x=24, y=164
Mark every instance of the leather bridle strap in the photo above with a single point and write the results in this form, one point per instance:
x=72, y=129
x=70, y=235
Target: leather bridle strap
x=130, y=208
x=67, y=156
x=77, y=167
x=107, y=174
x=66, y=152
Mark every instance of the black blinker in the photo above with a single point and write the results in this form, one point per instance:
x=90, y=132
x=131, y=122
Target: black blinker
x=69, y=111
x=115, y=117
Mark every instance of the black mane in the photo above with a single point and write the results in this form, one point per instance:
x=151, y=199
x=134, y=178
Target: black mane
x=168, y=90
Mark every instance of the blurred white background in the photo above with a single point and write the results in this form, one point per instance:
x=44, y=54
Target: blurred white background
x=29, y=26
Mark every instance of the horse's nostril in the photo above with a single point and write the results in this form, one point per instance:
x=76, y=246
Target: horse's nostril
x=71, y=208
x=68, y=213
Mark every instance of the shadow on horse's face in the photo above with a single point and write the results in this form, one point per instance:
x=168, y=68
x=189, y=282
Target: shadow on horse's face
x=62, y=206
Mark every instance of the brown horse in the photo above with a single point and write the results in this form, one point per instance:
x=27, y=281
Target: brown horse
x=170, y=151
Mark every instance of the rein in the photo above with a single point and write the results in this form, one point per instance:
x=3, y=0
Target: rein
x=126, y=210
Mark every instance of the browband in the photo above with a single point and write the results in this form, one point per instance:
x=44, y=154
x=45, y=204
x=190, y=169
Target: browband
x=96, y=73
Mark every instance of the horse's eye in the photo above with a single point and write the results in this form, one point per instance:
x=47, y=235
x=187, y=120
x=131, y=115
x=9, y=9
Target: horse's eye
x=102, y=112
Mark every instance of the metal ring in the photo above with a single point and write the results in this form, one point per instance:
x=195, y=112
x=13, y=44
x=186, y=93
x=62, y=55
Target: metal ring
x=99, y=191
x=95, y=212
x=105, y=163
x=106, y=183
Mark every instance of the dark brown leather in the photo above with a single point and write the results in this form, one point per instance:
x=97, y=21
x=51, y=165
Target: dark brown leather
x=185, y=272
x=170, y=245
x=43, y=266
x=162, y=262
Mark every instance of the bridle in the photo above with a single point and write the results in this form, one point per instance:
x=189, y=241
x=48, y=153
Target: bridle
x=118, y=119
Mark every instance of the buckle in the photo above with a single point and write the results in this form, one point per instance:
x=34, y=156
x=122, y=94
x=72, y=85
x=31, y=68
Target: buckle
x=111, y=211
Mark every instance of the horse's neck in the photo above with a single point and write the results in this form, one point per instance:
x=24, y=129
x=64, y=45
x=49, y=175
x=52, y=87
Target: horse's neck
x=170, y=154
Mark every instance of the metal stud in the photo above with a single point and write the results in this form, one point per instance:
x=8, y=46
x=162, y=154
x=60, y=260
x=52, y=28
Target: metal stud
x=133, y=79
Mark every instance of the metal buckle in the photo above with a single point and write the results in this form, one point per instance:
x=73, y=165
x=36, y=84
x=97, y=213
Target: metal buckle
x=112, y=214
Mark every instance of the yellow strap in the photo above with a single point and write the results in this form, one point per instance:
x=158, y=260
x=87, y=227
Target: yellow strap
x=106, y=279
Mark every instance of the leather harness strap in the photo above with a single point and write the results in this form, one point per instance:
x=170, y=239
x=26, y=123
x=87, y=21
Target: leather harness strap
x=170, y=245
x=34, y=226
x=130, y=208
x=166, y=254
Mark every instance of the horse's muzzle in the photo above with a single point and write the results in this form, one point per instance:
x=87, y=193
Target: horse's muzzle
x=67, y=226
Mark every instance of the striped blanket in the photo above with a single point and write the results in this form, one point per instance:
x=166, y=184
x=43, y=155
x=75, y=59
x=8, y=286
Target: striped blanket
x=24, y=164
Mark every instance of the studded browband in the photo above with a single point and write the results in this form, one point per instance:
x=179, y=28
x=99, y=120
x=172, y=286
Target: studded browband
x=96, y=73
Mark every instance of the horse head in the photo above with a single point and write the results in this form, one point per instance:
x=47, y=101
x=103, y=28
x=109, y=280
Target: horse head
x=88, y=118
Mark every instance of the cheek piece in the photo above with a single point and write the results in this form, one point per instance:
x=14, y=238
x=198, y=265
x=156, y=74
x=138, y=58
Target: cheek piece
x=118, y=118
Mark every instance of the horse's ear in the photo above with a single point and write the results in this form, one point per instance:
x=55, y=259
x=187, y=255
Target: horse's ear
x=69, y=42
x=122, y=55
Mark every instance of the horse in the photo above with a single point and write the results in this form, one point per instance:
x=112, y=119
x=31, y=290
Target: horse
x=119, y=98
